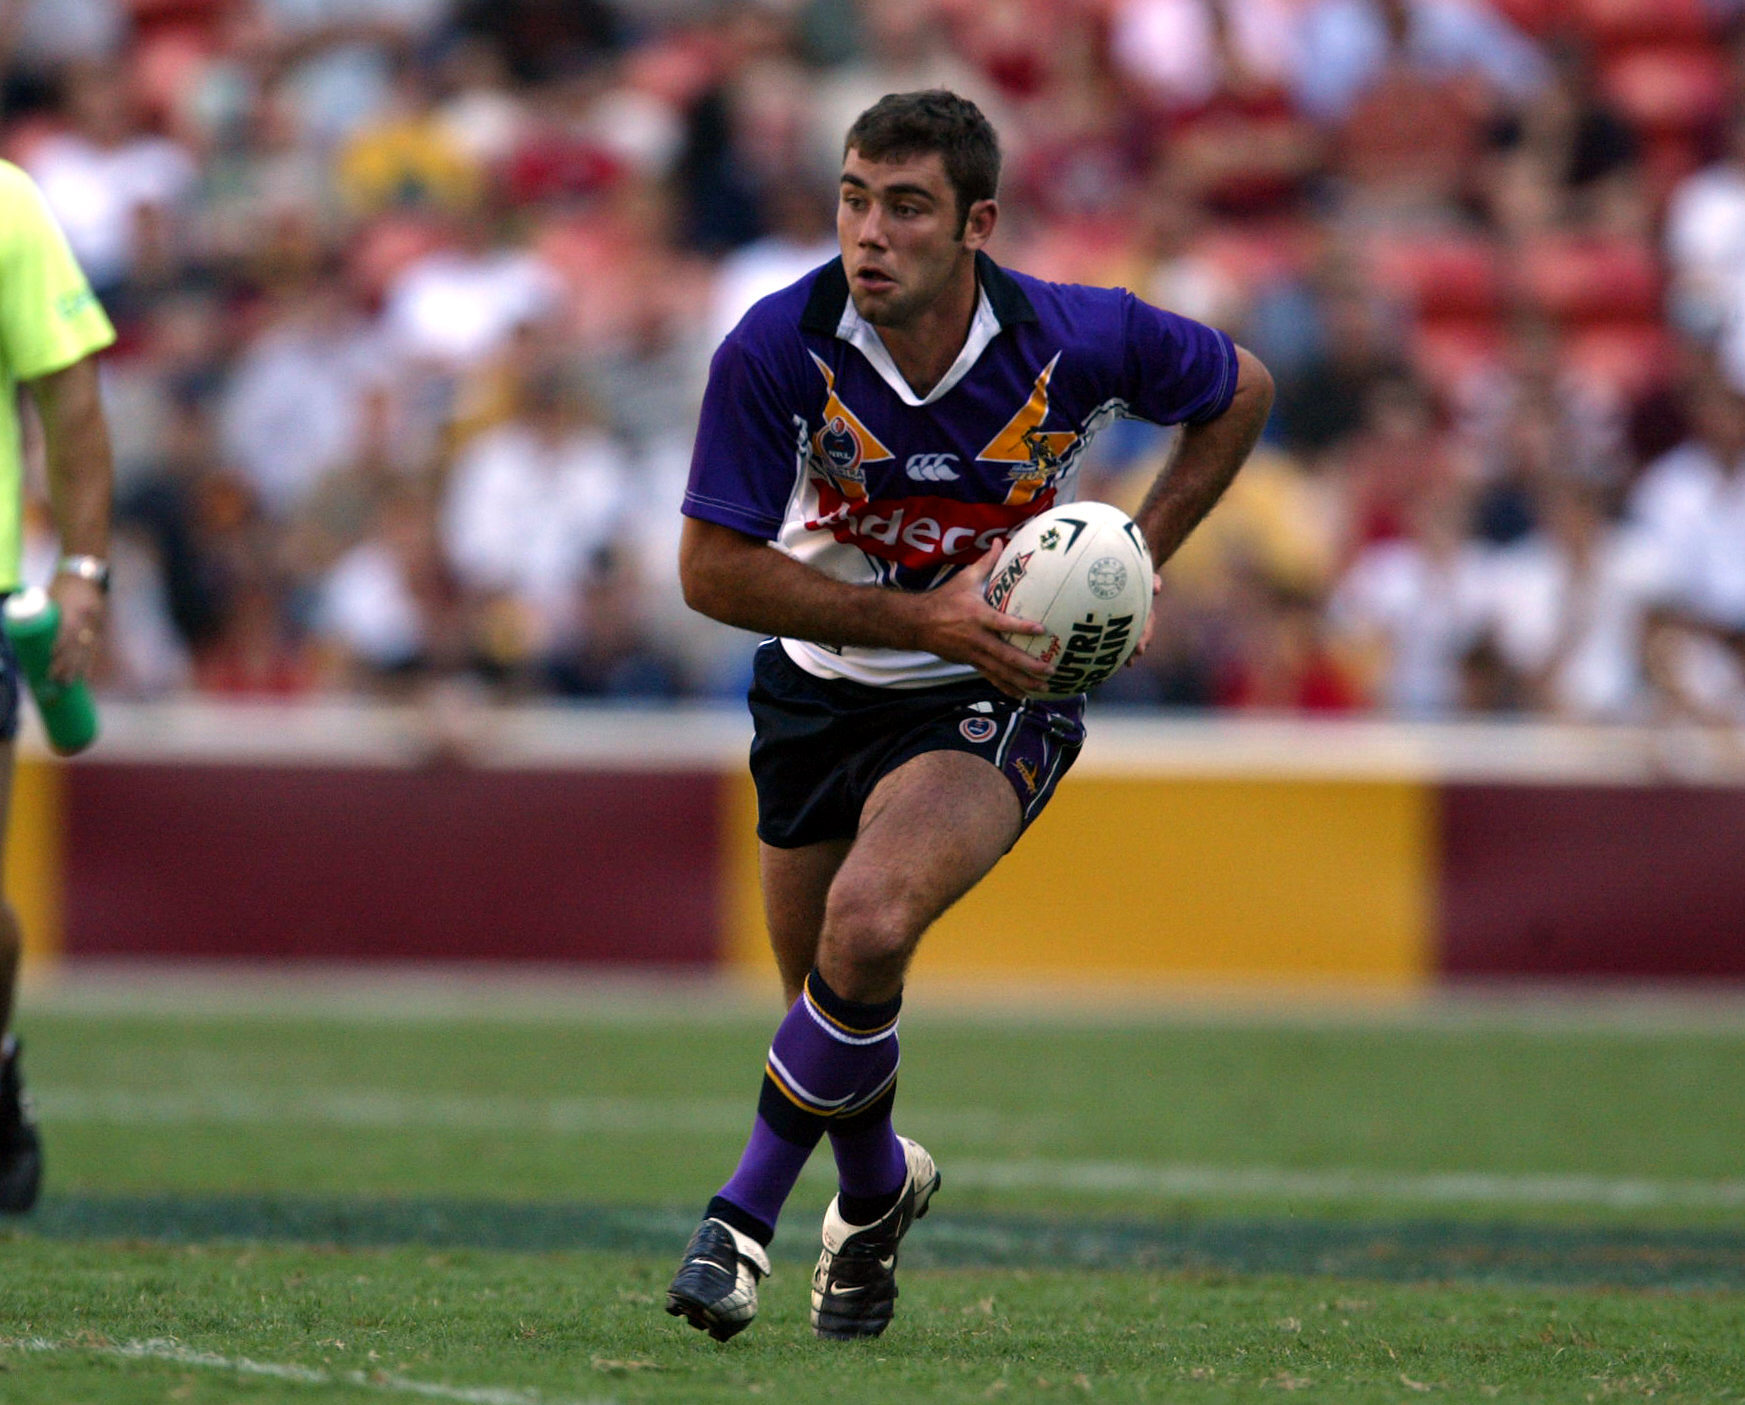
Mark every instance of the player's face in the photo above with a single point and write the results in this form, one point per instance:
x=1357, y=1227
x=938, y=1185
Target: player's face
x=897, y=222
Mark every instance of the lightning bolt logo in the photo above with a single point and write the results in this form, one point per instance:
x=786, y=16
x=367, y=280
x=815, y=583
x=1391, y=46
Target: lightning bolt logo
x=1038, y=453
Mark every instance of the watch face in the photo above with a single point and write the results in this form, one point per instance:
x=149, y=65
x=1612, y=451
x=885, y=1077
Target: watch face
x=87, y=568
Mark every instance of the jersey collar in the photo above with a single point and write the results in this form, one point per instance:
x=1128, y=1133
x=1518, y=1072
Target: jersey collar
x=830, y=312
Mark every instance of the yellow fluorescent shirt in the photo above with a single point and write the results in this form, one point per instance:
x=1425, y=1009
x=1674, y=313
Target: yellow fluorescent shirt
x=49, y=319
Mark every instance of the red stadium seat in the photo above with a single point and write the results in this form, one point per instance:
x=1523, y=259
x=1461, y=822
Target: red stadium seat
x=1447, y=353
x=1614, y=22
x=1575, y=278
x=1440, y=276
x=1667, y=158
x=1537, y=17
x=167, y=66
x=1666, y=87
x=1623, y=358
x=200, y=13
x=1258, y=254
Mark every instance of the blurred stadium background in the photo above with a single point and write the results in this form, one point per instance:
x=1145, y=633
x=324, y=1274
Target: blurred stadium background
x=415, y=298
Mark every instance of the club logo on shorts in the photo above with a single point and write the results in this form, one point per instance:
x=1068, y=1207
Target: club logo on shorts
x=978, y=729
x=1108, y=578
x=1027, y=773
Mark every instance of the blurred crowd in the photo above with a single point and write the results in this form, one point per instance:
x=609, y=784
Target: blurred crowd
x=416, y=297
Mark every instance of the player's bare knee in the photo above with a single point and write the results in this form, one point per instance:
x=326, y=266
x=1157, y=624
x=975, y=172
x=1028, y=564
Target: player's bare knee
x=866, y=954
x=867, y=939
x=870, y=914
x=862, y=975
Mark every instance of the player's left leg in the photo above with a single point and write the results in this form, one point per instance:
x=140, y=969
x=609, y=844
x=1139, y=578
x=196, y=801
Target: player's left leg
x=715, y=1288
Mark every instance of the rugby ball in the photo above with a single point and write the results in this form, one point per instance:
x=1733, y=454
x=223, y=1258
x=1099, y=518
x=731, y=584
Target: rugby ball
x=1083, y=571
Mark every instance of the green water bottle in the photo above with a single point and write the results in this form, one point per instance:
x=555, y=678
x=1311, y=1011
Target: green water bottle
x=69, y=715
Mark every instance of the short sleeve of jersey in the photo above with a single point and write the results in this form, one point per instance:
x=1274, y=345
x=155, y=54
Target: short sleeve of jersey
x=49, y=317
x=1177, y=371
x=746, y=459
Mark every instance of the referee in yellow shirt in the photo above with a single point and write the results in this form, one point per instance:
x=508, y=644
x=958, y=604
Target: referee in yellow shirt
x=51, y=327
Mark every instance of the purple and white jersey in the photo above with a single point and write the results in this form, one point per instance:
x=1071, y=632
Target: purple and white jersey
x=811, y=438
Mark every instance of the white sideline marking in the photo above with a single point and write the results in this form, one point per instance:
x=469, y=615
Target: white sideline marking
x=169, y=1349
x=534, y=994
x=1256, y=1182
x=389, y=1109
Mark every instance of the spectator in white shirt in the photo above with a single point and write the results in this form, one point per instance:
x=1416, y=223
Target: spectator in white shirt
x=1691, y=503
x=104, y=174
x=1705, y=246
x=294, y=408
x=1348, y=45
x=528, y=506
x=1185, y=52
x=1414, y=606
x=1573, y=605
x=458, y=306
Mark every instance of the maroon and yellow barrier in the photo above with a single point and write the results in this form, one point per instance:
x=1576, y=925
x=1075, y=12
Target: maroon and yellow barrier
x=1195, y=877
x=35, y=876
x=1370, y=856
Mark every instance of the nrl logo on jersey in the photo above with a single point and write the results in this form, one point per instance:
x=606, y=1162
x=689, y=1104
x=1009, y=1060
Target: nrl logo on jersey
x=843, y=445
x=1036, y=454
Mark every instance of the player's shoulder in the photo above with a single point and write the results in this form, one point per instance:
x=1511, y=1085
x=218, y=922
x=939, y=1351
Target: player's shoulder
x=1071, y=311
x=772, y=326
x=24, y=214
x=15, y=179
x=18, y=192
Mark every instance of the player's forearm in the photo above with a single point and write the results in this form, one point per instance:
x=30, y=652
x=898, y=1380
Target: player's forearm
x=80, y=472
x=747, y=583
x=1206, y=458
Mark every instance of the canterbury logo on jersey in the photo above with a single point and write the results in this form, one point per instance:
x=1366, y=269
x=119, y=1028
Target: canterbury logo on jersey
x=843, y=446
x=932, y=468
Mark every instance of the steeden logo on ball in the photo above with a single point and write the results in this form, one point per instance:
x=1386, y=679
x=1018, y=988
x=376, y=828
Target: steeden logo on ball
x=1082, y=571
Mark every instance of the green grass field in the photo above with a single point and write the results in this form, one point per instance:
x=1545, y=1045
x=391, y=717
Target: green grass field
x=372, y=1197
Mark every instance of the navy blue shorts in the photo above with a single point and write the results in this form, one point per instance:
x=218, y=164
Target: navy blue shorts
x=822, y=744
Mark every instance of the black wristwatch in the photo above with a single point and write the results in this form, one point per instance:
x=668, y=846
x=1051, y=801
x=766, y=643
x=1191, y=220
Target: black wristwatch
x=87, y=568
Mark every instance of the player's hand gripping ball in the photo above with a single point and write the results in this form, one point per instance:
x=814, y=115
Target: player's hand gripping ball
x=1083, y=572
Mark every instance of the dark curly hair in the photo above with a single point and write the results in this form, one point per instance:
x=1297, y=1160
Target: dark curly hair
x=900, y=125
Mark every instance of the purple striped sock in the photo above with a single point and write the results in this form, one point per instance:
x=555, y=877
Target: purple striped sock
x=829, y=1056
x=870, y=1166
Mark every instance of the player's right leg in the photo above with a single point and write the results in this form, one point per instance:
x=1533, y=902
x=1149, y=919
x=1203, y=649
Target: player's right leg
x=715, y=1289
x=796, y=888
